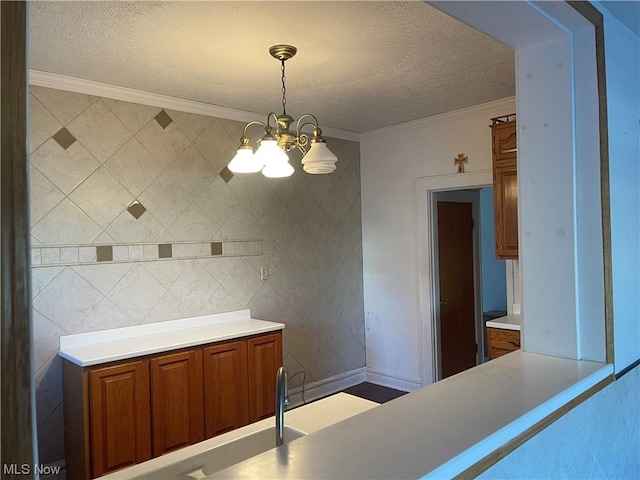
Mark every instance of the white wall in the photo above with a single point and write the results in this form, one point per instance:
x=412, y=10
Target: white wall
x=391, y=161
x=494, y=276
x=623, y=106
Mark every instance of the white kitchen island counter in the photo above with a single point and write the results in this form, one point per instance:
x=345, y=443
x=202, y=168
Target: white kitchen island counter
x=438, y=431
x=86, y=349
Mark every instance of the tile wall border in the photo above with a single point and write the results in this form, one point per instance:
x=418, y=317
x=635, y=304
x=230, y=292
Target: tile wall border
x=104, y=254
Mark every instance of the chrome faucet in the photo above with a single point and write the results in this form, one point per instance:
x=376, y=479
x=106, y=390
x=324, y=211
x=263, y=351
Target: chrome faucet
x=282, y=400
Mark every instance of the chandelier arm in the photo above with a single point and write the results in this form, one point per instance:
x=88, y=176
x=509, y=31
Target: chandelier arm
x=300, y=124
x=254, y=122
x=275, y=117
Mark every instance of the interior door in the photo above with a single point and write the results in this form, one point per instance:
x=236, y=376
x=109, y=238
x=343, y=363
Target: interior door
x=458, y=349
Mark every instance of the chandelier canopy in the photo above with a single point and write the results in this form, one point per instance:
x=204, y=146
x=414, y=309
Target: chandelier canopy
x=271, y=156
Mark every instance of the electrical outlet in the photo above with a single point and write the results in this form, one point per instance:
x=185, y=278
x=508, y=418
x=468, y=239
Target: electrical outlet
x=264, y=273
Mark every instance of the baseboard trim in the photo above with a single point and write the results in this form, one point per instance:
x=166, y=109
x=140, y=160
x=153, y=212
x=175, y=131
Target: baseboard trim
x=392, y=379
x=322, y=388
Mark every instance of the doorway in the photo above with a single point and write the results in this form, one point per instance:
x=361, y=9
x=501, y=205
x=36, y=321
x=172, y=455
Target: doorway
x=457, y=259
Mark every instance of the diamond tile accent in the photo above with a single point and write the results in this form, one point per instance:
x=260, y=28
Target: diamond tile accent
x=226, y=174
x=136, y=209
x=163, y=119
x=64, y=138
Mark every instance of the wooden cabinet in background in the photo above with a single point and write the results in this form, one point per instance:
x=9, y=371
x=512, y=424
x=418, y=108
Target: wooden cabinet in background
x=177, y=416
x=505, y=186
x=502, y=341
x=226, y=397
x=126, y=412
x=119, y=416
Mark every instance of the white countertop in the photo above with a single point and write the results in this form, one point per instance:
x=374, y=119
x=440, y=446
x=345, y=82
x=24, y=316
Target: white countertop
x=416, y=435
x=93, y=348
x=307, y=418
x=509, y=322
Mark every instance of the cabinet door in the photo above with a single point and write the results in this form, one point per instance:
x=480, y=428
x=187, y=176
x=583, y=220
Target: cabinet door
x=505, y=192
x=502, y=341
x=177, y=414
x=265, y=357
x=225, y=387
x=504, y=141
x=119, y=412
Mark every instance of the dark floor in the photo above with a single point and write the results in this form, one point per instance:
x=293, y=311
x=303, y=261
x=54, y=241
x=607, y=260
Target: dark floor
x=373, y=392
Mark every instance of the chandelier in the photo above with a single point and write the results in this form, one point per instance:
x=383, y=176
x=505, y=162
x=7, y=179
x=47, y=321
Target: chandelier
x=271, y=156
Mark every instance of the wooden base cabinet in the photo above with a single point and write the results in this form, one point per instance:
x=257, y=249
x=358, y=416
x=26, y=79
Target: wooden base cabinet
x=264, y=359
x=119, y=413
x=226, y=387
x=176, y=400
x=502, y=341
x=127, y=412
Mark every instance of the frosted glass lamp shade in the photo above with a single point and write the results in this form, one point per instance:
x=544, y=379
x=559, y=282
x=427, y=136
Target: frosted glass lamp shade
x=245, y=162
x=278, y=169
x=269, y=152
x=319, y=159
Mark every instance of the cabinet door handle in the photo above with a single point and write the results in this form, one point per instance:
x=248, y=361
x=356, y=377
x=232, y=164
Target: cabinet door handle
x=515, y=344
x=442, y=302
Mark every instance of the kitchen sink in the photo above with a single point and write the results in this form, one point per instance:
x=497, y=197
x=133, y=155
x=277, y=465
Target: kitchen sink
x=223, y=456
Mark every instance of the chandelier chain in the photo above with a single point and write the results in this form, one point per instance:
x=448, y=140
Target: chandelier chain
x=284, y=90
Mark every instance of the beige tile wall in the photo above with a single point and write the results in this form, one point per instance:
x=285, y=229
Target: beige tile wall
x=113, y=153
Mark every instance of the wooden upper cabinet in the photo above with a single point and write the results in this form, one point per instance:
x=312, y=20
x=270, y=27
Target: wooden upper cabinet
x=120, y=416
x=176, y=400
x=504, y=141
x=505, y=187
x=265, y=358
x=225, y=387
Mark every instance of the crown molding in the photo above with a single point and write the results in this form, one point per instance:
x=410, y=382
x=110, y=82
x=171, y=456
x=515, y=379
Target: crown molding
x=509, y=104
x=116, y=92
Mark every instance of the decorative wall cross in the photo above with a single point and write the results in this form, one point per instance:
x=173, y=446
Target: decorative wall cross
x=460, y=160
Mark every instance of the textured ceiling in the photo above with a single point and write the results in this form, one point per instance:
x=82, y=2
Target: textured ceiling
x=360, y=65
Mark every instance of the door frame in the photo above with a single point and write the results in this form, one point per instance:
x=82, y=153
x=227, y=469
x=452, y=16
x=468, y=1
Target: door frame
x=457, y=196
x=426, y=187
